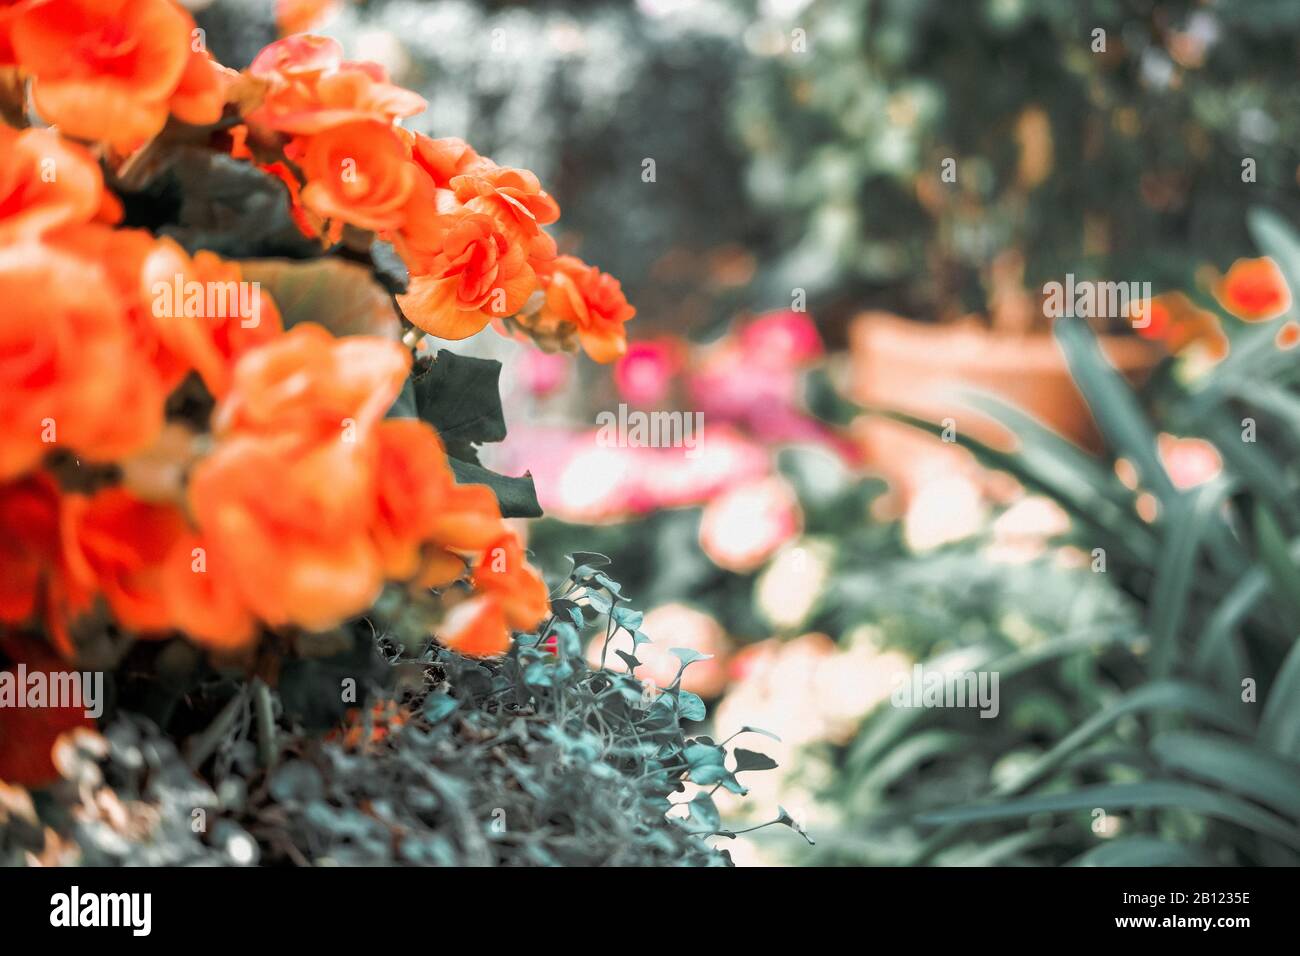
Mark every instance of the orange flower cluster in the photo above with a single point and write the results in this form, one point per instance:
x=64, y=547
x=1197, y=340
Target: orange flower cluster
x=1253, y=290
x=1172, y=318
x=469, y=231
x=112, y=71
x=358, y=499
x=87, y=360
x=303, y=501
x=88, y=354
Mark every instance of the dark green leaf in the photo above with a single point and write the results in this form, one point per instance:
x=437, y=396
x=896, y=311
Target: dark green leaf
x=516, y=496
x=460, y=396
x=753, y=760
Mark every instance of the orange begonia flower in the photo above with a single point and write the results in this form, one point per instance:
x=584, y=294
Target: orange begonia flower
x=72, y=375
x=476, y=627
x=200, y=97
x=465, y=271
x=299, y=16
x=309, y=89
x=514, y=195
x=1254, y=290
x=124, y=255
x=1189, y=461
x=300, y=415
x=297, y=59
x=107, y=70
x=293, y=523
x=412, y=480
x=202, y=596
x=204, y=314
x=593, y=302
x=359, y=173
x=116, y=545
x=469, y=520
x=505, y=575
x=442, y=159
x=424, y=520
x=47, y=182
x=10, y=10
x=309, y=386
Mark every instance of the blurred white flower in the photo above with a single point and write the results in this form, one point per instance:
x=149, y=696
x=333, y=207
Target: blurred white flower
x=943, y=510
x=1023, y=531
x=741, y=529
x=788, y=588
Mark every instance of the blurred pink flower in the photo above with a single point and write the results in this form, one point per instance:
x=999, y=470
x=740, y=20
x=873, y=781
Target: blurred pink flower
x=782, y=339
x=644, y=376
x=724, y=458
x=744, y=526
x=579, y=480
x=543, y=372
x=1189, y=461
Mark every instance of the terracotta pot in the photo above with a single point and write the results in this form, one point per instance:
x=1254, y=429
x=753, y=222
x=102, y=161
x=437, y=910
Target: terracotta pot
x=917, y=368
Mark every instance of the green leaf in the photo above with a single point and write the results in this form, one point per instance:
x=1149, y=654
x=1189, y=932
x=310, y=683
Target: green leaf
x=567, y=639
x=1042, y=464
x=1233, y=765
x=997, y=852
x=1113, y=405
x=627, y=618
x=1171, y=596
x=1154, y=794
x=1171, y=696
x=1215, y=649
x=1140, y=851
x=786, y=820
x=460, y=396
x=438, y=706
x=697, y=753
x=759, y=730
x=1279, y=727
x=296, y=781
x=690, y=706
x=705, y=813
x=753, y=760
x=342, y=296
x=688, y=655
x=609, y=584
x=516, y=496
x=232, y=208
x=912, y=750
x=1276, y=555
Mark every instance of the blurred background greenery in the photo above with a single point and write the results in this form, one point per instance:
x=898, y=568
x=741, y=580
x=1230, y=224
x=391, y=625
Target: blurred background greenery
x=1135, y=587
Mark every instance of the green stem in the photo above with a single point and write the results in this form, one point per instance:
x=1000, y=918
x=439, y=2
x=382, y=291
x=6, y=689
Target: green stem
x=264, y=709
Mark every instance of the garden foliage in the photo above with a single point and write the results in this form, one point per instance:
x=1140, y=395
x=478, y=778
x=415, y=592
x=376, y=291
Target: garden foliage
x=1164, y=735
